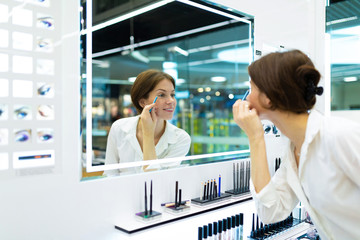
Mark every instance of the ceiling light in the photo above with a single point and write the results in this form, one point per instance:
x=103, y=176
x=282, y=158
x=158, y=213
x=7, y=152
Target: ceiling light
x=217, y=93
x=235, y=55
x=200, y=90
x=207, y=89
x=137, y=55
x=202, y=100
x=131, y=79
x=178, y=50
x=180, y=81
x=208, y=97
x=218, y=79
x=231, y=96
x=350, y=79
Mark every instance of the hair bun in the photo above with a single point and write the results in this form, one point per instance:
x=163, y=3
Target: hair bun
x=319, y=91
x=311, y=90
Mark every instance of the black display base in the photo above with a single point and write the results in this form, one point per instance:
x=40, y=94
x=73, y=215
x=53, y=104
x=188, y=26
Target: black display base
x=147, y=217
x=204, y=202
x=237, y=193
x=177, y=210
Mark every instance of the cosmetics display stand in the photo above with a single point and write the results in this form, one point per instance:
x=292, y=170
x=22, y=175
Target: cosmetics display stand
x=237, y=194
x=132, y=226
x=212, y=200
x=177, y=210
x=148, y=217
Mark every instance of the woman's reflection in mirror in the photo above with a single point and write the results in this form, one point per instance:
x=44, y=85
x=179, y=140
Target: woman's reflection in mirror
x=149, y=135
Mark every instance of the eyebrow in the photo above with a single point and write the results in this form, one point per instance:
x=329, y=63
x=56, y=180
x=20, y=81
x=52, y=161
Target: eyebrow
x=163, y=90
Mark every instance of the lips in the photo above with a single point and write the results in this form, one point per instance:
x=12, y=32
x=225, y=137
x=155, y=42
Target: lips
x=168, y=109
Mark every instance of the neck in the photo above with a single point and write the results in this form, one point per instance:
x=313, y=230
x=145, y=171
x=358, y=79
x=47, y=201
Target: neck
x=292, y=125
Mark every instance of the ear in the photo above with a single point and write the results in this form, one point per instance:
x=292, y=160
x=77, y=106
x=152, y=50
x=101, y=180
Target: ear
x=265, y=101
x=142, y=103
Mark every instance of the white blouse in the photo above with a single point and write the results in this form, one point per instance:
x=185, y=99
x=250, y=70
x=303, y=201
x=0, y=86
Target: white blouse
x=327, y=182
x=123, y=146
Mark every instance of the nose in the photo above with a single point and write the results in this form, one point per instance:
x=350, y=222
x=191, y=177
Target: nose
x=170, y=100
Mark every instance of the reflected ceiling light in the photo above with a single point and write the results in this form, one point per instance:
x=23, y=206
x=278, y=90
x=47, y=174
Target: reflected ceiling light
x=180, y=81
x=207, y=89
x=208, y=97
x=131, y=79
x=128, y=15
x=342, y=20
x=202, y=100
x=217, y=93
x=231, y=96
x=236, y=55
x=214, y=11
x=178, y=50
x=350, y=79
x=169, y=65
x=137, y=55
x=218, y=79
x=200, y=90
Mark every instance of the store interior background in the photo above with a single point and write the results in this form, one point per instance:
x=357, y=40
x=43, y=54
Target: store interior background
x=59, y=205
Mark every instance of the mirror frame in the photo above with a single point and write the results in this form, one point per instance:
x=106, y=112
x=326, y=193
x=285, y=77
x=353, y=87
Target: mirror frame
x=89, y=55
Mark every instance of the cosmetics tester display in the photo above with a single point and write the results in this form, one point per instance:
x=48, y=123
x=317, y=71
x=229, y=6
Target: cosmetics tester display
x=148, y=214
x=241, y=177
x=231, y=228
x=210, y=190
x=211, y=196
x=178, y=206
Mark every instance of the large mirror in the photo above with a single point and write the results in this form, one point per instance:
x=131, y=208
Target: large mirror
x=205, y=47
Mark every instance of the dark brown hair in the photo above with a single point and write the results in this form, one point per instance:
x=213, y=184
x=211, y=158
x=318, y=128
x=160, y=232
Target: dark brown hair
x=145, y=82
x=288, y=79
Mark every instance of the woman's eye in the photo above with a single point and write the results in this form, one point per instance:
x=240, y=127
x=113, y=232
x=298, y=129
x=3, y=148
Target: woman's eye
x=173, y=95
x=22, y=112
x=161, y=95
x=22, y=136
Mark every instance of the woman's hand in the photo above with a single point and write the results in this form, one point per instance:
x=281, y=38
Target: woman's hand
x=148, y=120
x=247, y=119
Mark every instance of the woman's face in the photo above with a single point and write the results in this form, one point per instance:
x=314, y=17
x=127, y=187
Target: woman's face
x=166, y=102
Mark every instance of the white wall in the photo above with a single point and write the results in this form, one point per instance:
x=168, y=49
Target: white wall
x=59, y=206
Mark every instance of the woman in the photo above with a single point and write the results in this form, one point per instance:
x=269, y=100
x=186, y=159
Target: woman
x=148, y=136
x=321, y=167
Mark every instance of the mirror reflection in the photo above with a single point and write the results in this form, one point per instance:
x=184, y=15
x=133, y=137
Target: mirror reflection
x=205, y=52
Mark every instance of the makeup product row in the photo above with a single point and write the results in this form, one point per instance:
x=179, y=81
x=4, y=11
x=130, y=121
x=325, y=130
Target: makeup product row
x=230, y=228
x=241, y=177
x=210, y=192
x=148, y=214
x=277, y=163
x=263, y=231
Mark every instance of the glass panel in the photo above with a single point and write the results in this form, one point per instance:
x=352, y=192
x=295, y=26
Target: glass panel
x=206, y=53
x=343, y=26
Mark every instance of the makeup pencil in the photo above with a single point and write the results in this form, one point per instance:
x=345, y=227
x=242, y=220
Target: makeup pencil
x=207, y=189
x=237, y=177
x=153, y=102
x=211, y=189
x=151, y=197
x=204, y=196
x=219, y=185
x=176, y=193
x=179, y=202
x=234, y=185
x=146, y=211
x=201, y=190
